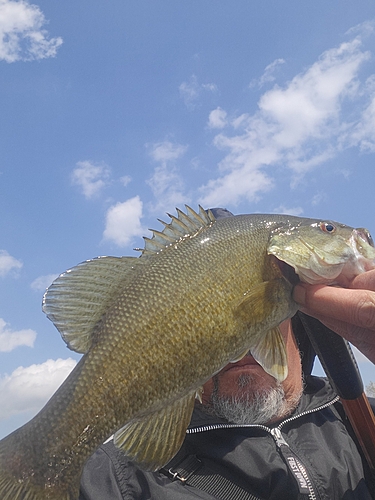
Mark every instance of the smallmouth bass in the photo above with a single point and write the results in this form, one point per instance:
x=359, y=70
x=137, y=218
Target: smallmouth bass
x=154, y=329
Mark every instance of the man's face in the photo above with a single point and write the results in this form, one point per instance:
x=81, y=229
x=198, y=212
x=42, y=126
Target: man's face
x=246, y=379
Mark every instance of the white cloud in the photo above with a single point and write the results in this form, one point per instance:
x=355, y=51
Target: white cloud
x=21, y=35
x=166, y=182
x=9, y=339
x=191, y=91
x=229, y=188
x=311, y=103
x=123, y=222
x=28, y=389
x=8, y=263
x=42, y=282
x=300, y=126
x=90, y=177
x=217, y=118
x=166, y=151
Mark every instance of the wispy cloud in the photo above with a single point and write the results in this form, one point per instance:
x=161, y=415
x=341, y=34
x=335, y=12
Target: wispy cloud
x=22, y=37
x=28, y=389
x=90, y=177
x=125, y=180
x=123, y=222
x=299, y=126
x=282, y=209
x=318, y=198
x=8, y=263
x=191, y=91
x=42, y=282
x=10, y=339
x=268, y=75
x=166, y=151
x=361, y=132
x=166, y=182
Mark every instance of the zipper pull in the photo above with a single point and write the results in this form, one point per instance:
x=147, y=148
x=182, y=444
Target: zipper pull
x=295, y=466
x=278, y=437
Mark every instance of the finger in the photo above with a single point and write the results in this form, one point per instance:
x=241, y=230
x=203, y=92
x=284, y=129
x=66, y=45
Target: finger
x=366, y=281
x=362, y=338
x=353, y=306
x=354, y=334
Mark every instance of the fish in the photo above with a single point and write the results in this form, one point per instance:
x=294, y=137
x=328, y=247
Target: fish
x=153, y=329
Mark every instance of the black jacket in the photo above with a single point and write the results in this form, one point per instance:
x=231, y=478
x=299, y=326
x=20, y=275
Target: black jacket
x=315, y=455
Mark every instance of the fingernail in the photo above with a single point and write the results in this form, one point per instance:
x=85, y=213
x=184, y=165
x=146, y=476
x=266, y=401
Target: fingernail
x=299, y=294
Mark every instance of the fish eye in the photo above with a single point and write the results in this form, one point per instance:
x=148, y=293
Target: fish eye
x=327, y=227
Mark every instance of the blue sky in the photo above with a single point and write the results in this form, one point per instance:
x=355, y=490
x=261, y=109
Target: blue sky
x=113, y=113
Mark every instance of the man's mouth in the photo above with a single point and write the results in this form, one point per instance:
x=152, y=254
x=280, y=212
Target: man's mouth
x=246, y=361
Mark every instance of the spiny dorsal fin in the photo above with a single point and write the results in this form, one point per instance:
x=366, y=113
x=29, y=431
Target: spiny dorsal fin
x=78, y=298
x=181, y=227
x=153, y=440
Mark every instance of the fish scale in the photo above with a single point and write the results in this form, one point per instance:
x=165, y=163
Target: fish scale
x=154, y=329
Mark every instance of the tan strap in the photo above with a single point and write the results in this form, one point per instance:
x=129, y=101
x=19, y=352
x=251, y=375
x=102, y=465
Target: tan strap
x=362, y=419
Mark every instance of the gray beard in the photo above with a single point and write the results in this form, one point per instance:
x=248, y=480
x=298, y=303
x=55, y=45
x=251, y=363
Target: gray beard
x=251, y=407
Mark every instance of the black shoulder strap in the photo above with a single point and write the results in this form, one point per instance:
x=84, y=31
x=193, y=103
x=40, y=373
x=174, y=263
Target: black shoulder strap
x=195, y=472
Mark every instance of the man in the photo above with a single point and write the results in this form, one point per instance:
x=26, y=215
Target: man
x=253, y=438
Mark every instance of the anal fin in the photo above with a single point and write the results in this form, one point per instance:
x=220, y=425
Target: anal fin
x=153, y=440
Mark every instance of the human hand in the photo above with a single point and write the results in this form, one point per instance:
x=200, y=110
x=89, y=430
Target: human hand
x=350, y=312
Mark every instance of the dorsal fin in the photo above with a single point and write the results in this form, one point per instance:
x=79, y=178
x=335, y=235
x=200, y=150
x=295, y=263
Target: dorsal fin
x=181, y=227
x=78, y=298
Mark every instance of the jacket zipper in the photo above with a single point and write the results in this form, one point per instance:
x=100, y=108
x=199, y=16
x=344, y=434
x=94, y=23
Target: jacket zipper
x=294, y=464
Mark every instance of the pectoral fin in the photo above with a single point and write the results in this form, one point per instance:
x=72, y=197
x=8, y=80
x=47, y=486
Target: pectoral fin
x=267, y=304
x=267, y=299
x=154, y=440
x=270, y=353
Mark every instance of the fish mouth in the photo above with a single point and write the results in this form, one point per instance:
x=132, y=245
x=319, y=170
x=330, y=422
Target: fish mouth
x=287, y=271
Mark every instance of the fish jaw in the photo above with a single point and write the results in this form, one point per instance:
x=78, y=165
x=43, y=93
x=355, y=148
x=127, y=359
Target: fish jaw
x=320, y=257
x=362, y=258
x=363, y=248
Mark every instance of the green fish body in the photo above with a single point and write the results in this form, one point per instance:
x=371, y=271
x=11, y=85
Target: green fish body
x=154, y=329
